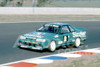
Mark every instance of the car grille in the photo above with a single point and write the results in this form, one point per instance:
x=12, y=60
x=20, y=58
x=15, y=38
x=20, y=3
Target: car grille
x=28, y=43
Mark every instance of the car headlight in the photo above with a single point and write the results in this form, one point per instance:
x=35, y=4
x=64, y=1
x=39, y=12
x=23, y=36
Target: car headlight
x=22, y=37
x=41, y=40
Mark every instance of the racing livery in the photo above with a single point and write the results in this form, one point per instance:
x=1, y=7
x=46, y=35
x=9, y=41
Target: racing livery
x=53, y=35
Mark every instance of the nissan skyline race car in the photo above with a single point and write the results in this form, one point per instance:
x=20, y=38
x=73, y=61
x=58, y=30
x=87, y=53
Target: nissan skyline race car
x=53, y=35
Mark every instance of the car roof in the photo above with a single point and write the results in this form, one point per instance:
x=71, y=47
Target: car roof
x=60, y=24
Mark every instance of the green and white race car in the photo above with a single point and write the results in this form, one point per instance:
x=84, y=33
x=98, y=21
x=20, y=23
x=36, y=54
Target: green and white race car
x=53, y=35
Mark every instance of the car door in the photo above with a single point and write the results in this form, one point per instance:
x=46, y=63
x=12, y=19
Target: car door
x=71, y=31
x=65, y=36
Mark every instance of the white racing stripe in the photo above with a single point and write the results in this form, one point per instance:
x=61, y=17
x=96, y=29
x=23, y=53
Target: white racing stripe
x=92, y=50
x=69, y=55
x=39, y=61
x=5, y=66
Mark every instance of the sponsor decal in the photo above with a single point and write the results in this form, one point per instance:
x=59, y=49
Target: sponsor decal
x=60, y=42
x=80, y=34
x=56, y=36
x=51, y=25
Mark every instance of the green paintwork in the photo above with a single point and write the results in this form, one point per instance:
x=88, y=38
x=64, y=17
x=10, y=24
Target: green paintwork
x=33, y=40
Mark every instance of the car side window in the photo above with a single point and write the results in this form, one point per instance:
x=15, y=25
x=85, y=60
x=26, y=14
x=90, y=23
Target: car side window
x=64, y=29
x=71, y=29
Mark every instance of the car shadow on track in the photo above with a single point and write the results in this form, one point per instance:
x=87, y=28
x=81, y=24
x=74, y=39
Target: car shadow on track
x=68, y=48
x=32, y=50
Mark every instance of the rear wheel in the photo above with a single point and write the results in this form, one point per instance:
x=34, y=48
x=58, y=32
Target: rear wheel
x=52, y=46
x=77, y=42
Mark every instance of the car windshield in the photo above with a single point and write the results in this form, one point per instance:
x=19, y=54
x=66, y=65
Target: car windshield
x=49, y=28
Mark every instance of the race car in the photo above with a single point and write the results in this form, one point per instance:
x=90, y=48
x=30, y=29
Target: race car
x=53, y=35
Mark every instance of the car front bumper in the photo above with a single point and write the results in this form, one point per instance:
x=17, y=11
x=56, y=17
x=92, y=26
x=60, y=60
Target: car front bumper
x=30, y=47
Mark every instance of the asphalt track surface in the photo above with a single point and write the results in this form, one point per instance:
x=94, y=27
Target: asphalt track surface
x=10, y=31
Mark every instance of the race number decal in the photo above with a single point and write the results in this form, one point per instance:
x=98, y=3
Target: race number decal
x=65, y=38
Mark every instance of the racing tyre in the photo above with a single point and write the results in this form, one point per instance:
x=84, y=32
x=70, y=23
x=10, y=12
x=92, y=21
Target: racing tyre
x=77, y=42
x=52, y=46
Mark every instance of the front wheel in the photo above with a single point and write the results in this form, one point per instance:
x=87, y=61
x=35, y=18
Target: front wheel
x=77, y=42
x=52, y=46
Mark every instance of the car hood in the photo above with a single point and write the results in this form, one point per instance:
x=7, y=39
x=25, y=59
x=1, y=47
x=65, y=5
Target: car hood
x=40, y=35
